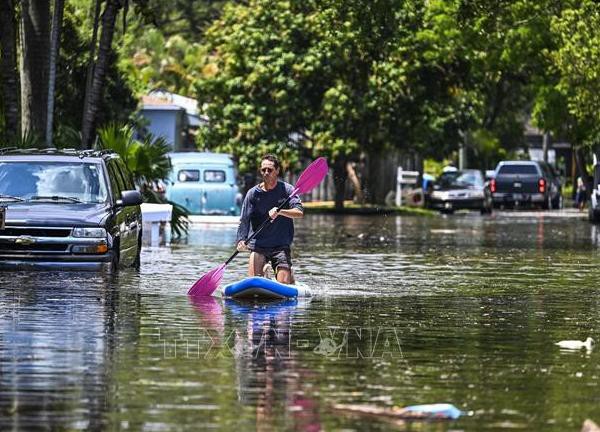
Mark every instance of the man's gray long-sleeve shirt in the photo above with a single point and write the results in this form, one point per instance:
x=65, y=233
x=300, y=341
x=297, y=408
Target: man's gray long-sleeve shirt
x=255, y=210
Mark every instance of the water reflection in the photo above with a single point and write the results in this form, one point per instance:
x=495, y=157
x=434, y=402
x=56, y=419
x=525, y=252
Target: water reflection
x=56, y=343
x=472, y=306
x=268, y=375
x=210, y=312
x=210, y=235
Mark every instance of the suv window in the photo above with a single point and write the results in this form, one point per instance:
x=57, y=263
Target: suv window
x=41, y=180
x=127, y=179
x=116, y=182
x=518, y=169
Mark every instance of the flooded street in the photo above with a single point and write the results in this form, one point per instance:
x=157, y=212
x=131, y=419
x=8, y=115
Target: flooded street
x=407, y=310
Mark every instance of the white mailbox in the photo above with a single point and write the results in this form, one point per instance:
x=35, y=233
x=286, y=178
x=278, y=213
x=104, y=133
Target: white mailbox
x=155, y=214
x=405, y=178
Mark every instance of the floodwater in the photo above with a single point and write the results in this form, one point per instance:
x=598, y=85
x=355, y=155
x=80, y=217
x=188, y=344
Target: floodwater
x=407, y=310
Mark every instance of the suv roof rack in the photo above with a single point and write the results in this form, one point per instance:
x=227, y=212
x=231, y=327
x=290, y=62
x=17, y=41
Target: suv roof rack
x=53, y=150
x=7, y=149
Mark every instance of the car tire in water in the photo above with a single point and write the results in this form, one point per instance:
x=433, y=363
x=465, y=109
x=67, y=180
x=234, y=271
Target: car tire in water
x=547, y=205
x=488, y=205
x=115, y=261
x=137, y=260
x=486, y=210
x=557, y=203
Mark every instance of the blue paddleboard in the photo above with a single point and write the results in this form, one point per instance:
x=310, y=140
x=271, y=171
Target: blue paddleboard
x=262, y=288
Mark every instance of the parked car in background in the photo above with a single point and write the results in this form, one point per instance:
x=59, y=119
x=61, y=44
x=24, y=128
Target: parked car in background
x=68, y=209
x=204, y=183
x=460, y=189
x=518, y=183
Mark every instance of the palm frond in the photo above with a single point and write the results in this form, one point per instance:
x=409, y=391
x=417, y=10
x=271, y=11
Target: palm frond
x=148, y=161
x=120, y=139
x=152, y=158
x=67, y=137
x=29, y=139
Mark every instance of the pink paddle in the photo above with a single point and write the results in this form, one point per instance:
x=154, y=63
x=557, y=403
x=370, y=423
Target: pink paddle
x=308, y=180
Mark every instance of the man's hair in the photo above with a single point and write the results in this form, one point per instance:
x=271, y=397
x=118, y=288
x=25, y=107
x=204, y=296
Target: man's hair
x=272, y=158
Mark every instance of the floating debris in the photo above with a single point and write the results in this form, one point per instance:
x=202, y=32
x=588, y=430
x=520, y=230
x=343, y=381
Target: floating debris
x=576, y=344
x=428, y=412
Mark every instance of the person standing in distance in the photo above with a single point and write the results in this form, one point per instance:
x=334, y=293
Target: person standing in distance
x=273, y=244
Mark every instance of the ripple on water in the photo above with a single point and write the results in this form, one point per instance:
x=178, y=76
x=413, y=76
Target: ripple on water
x=462, y=309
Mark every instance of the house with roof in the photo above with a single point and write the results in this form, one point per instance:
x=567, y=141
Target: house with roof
x=559, y=152
x=174, y=117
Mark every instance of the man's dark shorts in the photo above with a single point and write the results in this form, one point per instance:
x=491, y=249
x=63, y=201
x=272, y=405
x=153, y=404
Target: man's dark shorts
x=280, y=258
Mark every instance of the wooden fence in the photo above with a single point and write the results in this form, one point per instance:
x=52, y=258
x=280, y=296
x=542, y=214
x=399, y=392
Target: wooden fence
x=377, y=175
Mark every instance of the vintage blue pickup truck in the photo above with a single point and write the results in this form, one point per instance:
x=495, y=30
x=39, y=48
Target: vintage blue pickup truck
x=204, y=183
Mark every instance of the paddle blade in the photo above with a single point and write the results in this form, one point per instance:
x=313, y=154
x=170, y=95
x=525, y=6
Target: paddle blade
x=208, y=283
x=312, y=176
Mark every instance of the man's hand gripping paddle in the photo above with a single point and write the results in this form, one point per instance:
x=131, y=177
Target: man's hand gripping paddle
x=308, y=180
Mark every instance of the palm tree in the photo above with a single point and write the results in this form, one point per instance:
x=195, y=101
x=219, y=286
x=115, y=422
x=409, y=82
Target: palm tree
x=57, y=15
x=35, y=21
x=92, y=100
x=148, y=162
x=9, y=76
x=92, y=53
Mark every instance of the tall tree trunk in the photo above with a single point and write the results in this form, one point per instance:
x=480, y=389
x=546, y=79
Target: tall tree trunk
x=580, y=161
x=92, y=49
x=54, y=49
x=546, y=145
x=9, y=73
x=339, y=180
x=94, y=98
x=35, y=21
x=358, y=192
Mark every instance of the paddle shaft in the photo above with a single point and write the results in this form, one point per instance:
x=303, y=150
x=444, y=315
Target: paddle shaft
x=262, y=226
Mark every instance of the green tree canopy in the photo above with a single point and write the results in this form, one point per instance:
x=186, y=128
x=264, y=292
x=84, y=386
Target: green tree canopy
x=568, y=103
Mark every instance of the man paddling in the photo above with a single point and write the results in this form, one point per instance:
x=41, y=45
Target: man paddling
x=273, y=243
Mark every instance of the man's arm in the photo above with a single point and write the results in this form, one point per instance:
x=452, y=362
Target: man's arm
x=293, y=213
x=294, y=210
x=244, y=226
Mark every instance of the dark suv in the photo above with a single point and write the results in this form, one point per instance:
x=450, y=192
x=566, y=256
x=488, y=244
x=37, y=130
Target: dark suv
x=68, y=210
x=518, y=183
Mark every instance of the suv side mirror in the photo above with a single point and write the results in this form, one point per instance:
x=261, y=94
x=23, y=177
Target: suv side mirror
x=130, y=198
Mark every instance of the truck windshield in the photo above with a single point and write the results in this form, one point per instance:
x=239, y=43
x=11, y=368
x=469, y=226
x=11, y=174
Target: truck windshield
x=518, y=169
x=59, y=182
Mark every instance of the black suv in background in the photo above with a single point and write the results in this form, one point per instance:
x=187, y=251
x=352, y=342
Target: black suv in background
x=518, y=183
x=67, y=210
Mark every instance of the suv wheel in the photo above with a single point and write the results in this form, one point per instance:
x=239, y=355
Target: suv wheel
x=557, y=203
x=547, y=205
x=137, y=260
x=114, y=263
x=488, y=204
